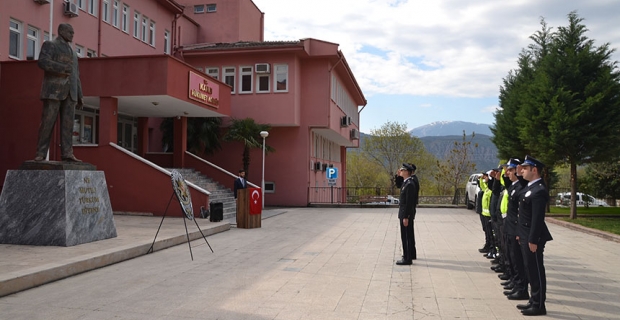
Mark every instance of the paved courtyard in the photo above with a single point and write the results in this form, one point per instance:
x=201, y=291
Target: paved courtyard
x=316, y=263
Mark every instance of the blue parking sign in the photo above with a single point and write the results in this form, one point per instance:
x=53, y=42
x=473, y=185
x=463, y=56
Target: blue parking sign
x=332, y=173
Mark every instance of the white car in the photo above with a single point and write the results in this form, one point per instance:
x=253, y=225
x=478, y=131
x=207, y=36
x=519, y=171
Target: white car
x=563, y=200
x=471, y=190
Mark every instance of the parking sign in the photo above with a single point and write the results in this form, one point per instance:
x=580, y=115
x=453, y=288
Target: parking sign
x=332, y=173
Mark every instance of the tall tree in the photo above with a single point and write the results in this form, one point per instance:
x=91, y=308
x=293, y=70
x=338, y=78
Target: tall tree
x=456, y=167
x=247, y=131
x=602, y=180
x=570, y=111
x=363, y=172
x=391, y=145
x=203, y=135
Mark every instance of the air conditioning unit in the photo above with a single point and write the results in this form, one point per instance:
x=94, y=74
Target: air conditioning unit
x=71, y=9
x=262, y=68
x=42, y=1
x=317, y=166
x=355, y=134
x=343, y=122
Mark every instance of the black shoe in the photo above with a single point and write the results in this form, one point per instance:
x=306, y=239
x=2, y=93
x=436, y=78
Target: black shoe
x=533, y=311
x=404, y=262
x=501, y=270
x=509, y=286
x=509, y=292
x=519, y=295
x=484, y=249
x=495, y=261
x=505, y=283
x=524, y=306
x=503, y=276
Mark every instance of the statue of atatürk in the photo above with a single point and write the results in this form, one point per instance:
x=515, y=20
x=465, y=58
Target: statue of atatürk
x=61, y=91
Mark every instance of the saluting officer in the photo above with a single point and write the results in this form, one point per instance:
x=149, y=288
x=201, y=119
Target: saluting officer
x=406, y=212
x=533, y=234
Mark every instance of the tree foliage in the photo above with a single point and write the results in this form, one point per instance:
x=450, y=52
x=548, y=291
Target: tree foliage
x=456, y=167
x=602, y=180
x=363, y=172
x=562, y=104
x=247, y=131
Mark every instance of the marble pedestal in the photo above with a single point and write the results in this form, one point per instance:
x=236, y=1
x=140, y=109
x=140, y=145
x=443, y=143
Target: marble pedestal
x=55, y=208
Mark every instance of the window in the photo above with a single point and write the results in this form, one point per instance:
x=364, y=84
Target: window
x=213, y=72
x=136, y=24
x=262, y=83
x=92, y=7
x=125, y=22
x=167, y=42
x=280, y=78
x=245, y=81
x=152, y=33
x=270, y=187
x=91, y=53
x=81, y=4
x=15, y=35
x=32, y=51
x=46, y=36
x=228, y=74
x=105, y=15
x=145, y=22
x=212, y=7
x=86, y=131
x=79, y=51
x=199, y=8
x=115, y=13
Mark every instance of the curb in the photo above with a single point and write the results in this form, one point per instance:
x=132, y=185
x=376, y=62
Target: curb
x=595, y=232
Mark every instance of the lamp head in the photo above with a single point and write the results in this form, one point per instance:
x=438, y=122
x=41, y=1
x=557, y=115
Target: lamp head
x=264, y=134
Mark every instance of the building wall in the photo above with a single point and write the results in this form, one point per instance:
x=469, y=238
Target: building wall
x=233, y=20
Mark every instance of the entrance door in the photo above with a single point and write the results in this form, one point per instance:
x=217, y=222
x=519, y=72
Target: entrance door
x=127, y=133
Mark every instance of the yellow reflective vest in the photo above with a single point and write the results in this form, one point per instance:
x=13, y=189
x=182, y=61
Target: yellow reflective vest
x=486, y=197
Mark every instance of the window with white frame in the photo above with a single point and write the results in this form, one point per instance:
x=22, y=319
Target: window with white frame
x=212, y=7
x=262, y=82
x=86, y=120
x=245, y=79
x=343, y=100
x=81, y=4
x=92, y=7
x=280, y=78
x=105, y=15
x=199, y=8
x=79, y=51
x=228, y=74
x=91, y=53
x=213, y=72
x=152, y=33
x=115, y=13
x=15, y=36
x=136, y=24
x=32, y=47
x=125, y=20
x=167, y=42
x=145, y=22
x=270, y=187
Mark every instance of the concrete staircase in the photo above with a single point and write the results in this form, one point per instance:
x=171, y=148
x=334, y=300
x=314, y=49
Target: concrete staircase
x=219, y=193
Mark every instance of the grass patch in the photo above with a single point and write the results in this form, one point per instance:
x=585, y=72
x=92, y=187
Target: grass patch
x=606, y=224
x=586, y=211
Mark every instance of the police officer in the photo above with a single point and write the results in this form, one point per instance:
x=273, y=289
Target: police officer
x=533, y=234
x=406, y=212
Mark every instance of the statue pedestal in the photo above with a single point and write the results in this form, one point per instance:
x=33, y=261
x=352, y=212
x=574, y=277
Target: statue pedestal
x=55, y=208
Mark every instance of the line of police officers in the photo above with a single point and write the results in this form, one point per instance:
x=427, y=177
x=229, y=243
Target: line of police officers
x=512, y=210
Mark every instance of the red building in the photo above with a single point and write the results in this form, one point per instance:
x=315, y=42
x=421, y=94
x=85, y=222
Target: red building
x=146, y=60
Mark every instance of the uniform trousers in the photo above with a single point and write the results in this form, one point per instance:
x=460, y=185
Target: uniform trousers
x=519, y=276
x=535, y=269
x=407, y=237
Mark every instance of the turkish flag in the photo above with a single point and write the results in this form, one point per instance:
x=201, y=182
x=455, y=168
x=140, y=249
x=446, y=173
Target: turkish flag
x=256, y=200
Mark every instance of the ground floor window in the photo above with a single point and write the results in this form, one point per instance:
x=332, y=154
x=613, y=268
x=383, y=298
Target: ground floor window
x=85, y=126
x=127, y=132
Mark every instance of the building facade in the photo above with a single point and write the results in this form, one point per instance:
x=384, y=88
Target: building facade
x=146, y=60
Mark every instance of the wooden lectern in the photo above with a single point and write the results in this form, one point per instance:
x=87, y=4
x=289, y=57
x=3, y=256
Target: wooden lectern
x=245, y=220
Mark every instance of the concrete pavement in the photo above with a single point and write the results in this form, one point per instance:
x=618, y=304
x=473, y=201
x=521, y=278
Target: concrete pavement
x=314, y=263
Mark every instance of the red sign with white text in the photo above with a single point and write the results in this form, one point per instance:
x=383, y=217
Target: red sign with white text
x=203, y=90
x=256, y=200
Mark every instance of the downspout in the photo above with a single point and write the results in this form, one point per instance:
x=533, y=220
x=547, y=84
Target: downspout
x=99, y=29
x=173, y=36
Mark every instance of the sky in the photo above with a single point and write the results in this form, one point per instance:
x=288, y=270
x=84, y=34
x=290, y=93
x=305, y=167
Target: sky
x=418, y=62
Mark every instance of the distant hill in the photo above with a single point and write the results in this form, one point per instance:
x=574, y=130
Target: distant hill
x=451, y=128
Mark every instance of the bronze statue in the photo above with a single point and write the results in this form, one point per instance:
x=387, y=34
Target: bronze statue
x=61, y=91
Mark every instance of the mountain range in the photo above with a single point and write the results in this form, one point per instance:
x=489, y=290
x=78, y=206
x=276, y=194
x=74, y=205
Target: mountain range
x=451, y=128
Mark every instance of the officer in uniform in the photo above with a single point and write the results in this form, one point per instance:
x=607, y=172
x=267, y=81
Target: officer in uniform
x=518, y=281
x=406, y=212
x=533, y=234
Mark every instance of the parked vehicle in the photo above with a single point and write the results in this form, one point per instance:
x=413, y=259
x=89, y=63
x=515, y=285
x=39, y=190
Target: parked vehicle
x=471, y=190
x=563, y=200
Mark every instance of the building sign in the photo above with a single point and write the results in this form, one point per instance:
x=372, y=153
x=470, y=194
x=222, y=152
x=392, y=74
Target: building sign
x=203, y=90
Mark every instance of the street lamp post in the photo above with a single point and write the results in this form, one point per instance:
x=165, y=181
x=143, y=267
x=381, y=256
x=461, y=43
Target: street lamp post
x=263, y=134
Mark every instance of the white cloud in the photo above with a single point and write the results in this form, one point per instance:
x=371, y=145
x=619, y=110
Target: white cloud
x=490, y=109
x=442, y=47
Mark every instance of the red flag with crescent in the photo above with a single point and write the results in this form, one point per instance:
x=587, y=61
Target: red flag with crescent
x=256, y=200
